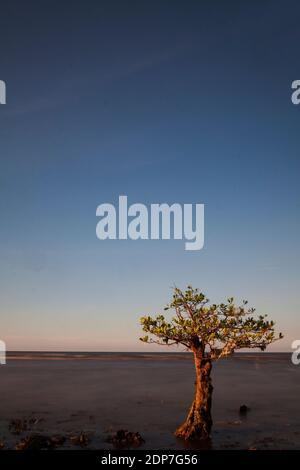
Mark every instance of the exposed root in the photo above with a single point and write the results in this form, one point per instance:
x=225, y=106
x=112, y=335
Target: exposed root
x=197, y=425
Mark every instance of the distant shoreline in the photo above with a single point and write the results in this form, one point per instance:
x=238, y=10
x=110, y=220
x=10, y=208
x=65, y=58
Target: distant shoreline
x=131, y=352
x=79, y=355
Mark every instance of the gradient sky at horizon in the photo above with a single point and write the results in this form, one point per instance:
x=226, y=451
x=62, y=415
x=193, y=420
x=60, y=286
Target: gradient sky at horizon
x=164, y=102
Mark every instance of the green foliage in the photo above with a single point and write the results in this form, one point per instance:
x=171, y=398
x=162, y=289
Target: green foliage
x=216, y=330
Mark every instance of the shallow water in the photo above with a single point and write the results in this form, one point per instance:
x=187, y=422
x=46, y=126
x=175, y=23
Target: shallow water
x=150, y=393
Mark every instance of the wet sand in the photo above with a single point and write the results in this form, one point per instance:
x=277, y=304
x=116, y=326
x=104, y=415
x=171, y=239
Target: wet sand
x=150, y=393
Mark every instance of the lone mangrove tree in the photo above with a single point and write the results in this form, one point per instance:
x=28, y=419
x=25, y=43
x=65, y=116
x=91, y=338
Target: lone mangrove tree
x=210, y=332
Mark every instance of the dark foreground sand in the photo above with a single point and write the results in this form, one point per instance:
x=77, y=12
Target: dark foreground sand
x=151, y=393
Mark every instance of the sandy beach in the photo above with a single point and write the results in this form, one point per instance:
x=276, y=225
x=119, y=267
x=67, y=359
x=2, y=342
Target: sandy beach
x=100, y=393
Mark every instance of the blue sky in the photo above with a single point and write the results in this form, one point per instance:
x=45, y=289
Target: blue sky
x=163, y=102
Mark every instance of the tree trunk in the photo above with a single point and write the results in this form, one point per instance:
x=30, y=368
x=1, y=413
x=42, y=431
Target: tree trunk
x=199, y=422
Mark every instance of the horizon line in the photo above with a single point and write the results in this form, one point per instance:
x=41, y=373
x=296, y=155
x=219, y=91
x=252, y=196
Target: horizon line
x=132, y=352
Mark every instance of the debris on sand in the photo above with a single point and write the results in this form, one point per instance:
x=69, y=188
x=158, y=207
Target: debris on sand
x=124, y=438
x=16, y=426
x=19, y=425
x=244, y=409
x=57, y=440
x=81, y=439
x=40, y=442
x=34, y=442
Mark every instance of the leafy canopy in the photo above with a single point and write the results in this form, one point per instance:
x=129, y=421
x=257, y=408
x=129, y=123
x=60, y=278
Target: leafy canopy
x=215, y=330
